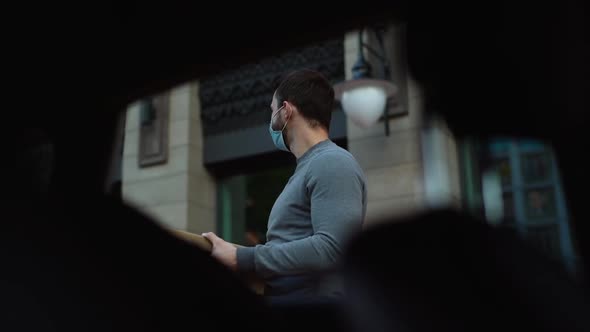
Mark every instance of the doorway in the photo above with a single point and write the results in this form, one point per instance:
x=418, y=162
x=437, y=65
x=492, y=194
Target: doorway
x=245, y=201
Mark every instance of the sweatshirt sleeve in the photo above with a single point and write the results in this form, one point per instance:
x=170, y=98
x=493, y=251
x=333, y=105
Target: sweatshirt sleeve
x=335, y=186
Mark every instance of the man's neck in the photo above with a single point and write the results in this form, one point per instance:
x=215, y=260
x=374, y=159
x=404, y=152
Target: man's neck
x=307, y=140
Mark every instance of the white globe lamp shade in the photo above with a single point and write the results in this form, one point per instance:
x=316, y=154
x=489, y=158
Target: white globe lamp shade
x=364, y=100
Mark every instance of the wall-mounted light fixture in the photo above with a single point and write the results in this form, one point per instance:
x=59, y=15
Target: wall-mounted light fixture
x=366, y=99
x=153, y=130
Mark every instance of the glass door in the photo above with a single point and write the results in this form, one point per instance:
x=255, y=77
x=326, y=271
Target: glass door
x=529, y=199
x=245, y=201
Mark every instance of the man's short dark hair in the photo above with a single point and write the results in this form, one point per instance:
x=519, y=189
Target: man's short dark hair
x=311, y=92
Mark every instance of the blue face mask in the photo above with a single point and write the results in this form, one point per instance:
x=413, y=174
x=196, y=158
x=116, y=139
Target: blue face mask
x=277, y=135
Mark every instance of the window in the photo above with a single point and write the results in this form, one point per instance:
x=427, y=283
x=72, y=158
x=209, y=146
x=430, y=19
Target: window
x=529, y=199
x=245, y=201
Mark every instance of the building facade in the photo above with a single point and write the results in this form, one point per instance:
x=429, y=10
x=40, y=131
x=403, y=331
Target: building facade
x=199, y=158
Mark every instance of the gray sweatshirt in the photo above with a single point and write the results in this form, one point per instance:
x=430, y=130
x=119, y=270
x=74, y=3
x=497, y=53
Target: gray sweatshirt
x=322, y=205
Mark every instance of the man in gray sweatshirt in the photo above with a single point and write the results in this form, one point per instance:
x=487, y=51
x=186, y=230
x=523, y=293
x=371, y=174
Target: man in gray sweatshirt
x=320, y=208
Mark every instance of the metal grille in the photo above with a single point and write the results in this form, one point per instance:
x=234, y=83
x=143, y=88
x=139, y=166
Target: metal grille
x=240, y=98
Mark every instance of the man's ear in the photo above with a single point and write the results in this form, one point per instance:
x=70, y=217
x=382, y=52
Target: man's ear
x=290, y=109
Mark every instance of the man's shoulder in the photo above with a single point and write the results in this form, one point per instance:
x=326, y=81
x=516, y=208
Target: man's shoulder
x=334, y=157
x=335, y=167
x=333, y=153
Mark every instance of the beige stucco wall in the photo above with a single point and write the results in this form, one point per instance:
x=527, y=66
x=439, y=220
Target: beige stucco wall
x=180, y=193
x=441, y=166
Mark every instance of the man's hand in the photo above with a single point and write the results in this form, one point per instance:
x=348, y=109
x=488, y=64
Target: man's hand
x=223, y=251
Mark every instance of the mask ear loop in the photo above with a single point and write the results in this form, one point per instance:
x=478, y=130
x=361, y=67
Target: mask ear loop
x=275, y=114
x=285, y=126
